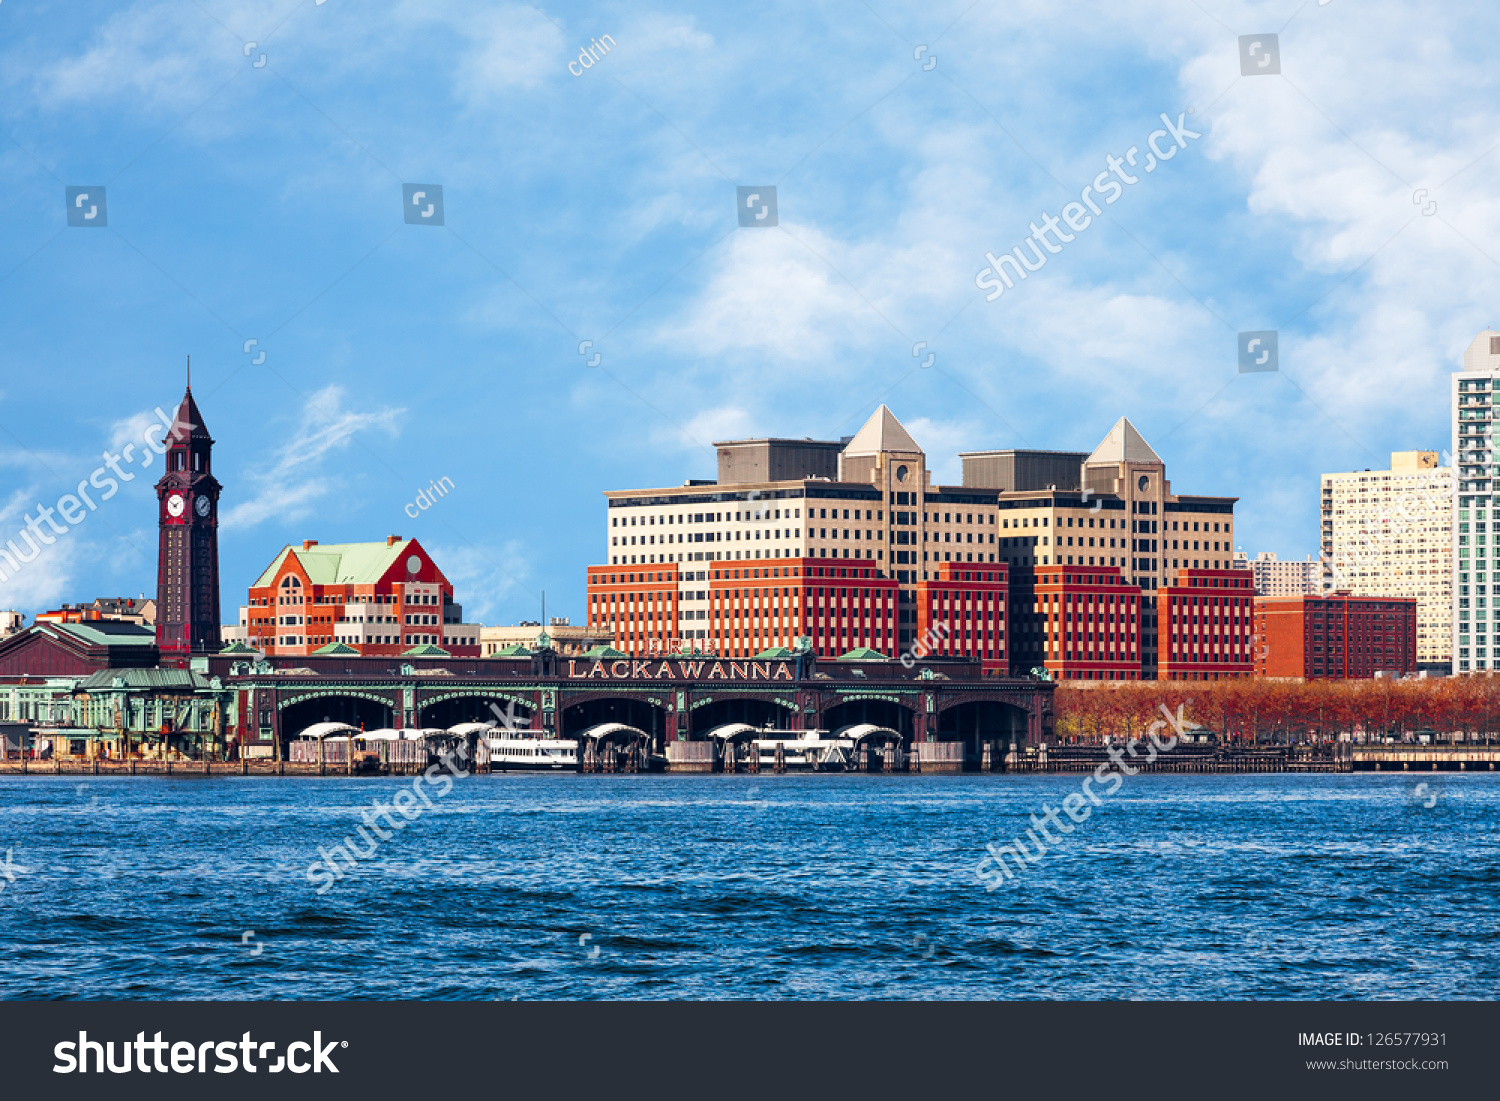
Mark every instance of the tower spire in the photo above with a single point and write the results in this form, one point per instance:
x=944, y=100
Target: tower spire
x=190, y=373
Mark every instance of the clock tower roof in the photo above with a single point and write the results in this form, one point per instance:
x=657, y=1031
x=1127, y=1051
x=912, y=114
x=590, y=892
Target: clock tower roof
x=187, y=424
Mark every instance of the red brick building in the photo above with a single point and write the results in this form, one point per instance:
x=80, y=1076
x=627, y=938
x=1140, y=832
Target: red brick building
x=738, y=609
x=1337, y=635
x=756, y=606
x=961, y=612
x=379, y=599
x=638, y=607
x=1204, y=625
x=1086, y=622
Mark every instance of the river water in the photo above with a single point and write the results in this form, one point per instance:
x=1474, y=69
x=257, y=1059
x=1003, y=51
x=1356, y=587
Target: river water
x=798, y=886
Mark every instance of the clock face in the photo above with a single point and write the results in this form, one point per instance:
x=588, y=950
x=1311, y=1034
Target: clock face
x=414, y=564
x=201, y=506
x=175, y=505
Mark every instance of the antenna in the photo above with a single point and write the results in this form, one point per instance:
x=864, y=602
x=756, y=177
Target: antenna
x=544, y=609
x=190, y=372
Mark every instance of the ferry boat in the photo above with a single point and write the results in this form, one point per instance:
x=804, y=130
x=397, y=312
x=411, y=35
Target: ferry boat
x=512, y=753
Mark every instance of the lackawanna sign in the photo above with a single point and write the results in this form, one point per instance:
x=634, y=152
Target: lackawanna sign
x=679, y=670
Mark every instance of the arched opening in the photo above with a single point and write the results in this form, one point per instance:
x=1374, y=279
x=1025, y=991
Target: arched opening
x=756, y=713
x=878, y=712
x=357, y=711
x=616, y=709
x=980, y=721
x=476, y=709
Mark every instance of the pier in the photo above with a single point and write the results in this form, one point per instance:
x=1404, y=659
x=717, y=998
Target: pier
x=1424, y=758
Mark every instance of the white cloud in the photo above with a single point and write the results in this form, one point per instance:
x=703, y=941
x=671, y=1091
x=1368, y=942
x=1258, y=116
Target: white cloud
x=43, y=582
x=510, y=47
x=486, y=578
x=283, y=486
x=155, y=55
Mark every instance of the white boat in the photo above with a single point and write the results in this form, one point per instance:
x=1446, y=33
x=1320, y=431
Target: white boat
x=514, y=753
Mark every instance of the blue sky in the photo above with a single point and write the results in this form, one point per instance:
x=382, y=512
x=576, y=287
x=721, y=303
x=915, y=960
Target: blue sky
x=263, y=202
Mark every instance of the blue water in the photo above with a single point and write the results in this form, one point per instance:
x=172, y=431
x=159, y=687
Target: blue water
x=585, y=887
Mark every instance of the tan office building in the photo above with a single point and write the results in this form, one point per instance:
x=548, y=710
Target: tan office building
x=1390, y=533
x=1120, y=513
x=561, y=636
x=868, y=499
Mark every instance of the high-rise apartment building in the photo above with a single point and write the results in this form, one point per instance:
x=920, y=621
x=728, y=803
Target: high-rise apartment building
x=1476, y=557
x=1390, y=533
x=1273, y=577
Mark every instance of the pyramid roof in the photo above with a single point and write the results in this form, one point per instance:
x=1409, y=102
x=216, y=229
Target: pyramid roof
x=882, y=432
x=1123, y=445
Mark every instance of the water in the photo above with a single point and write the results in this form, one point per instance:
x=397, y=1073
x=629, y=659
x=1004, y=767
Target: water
x=585, y=887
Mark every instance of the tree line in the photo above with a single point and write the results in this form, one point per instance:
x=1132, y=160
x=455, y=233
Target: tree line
x=1260, y=710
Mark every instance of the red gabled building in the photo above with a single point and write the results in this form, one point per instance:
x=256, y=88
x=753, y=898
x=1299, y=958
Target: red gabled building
x=376, y=599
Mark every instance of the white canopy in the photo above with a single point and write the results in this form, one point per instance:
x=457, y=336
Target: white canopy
x=405, y=734
x=325, y=730
x=859, y=731
x=463, y=730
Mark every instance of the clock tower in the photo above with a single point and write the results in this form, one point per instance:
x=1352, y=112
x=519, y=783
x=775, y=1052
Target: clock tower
x=187, y=570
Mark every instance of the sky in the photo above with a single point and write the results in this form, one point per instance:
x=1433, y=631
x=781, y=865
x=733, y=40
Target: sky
x=591, y=315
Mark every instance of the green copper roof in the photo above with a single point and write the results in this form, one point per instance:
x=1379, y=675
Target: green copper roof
x=775, y=653
x=862, y=653
x=340, y=563
x=336, y=649
x=238, y=647
x=104, y=680
x=514, y=650
x=107, y=632
x=603, y=651
x=426, y=650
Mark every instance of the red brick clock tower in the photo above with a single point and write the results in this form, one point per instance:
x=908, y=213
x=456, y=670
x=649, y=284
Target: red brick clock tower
x=187, y=570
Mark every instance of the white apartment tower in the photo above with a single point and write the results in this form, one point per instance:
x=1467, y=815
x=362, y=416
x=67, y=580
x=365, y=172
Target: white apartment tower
x=1476, y=557
x=1274, y=577
x=1390, y=533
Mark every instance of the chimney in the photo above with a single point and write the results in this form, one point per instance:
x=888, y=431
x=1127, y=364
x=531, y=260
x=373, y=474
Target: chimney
x=392, y=540
x=309, y=544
